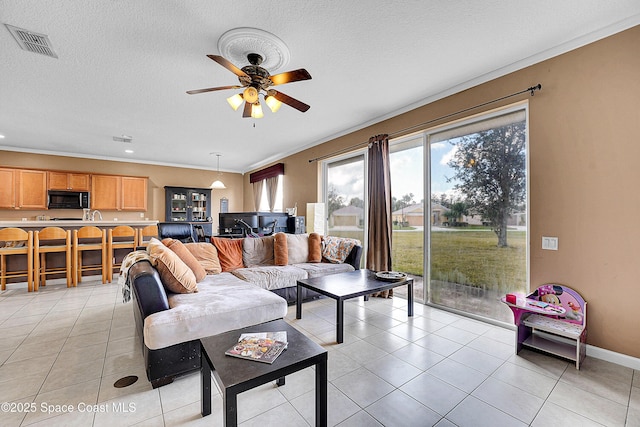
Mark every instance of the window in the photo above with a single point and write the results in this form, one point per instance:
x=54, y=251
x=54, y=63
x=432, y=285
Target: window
x=478, y=214
x=345, y=196
x=264, y=204
x=408, y=210
x=463, y=245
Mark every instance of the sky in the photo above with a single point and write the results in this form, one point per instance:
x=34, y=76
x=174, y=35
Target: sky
x=406, y=173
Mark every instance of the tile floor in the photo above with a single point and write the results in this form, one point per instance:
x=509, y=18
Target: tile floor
x=63, y=349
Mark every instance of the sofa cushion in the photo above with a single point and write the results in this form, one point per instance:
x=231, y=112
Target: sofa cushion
x=224, y=303
x=271, y=277
x=297, y=248
x=176, y=276
x=280, y=252
x=336, y=249
x=324, y=268
x=256, y=252
x=207, y=256
x=315, y=247
x=229, y=253
x=178, y=247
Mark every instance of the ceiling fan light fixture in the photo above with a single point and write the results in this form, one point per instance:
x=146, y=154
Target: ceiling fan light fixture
x=250, y=95
x=235, y=101
x=256, y=111
x=273, y=104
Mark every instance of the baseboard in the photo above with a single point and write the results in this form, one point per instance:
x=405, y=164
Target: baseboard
x=613, y=357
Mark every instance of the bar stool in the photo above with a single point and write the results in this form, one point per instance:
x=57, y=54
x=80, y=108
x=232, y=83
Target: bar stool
x=16, y=241
x=41, y=251
x=89, y=235
x=119, y=232
x=148, y=231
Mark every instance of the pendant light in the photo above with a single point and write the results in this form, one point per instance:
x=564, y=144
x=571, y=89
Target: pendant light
x=217, y=184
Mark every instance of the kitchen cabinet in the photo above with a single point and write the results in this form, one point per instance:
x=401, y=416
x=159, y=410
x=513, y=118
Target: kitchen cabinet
x=119, y=193
x=105, y=192
x=32, y=189
x=134, y=193
x=23, y=189
x=68, y=181
x=7, y=188
x=183, y=204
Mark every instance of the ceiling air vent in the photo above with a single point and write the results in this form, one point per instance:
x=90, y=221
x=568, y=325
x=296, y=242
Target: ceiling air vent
x=33, y=42
x=123, y=138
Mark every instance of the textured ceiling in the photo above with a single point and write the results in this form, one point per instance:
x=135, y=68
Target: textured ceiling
x=123, y=68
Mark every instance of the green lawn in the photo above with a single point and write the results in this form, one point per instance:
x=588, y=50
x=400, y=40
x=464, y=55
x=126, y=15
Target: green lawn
x=465, y=257
x=469, y=257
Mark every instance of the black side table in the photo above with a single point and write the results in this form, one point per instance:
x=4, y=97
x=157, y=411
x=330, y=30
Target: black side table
x=235, y=375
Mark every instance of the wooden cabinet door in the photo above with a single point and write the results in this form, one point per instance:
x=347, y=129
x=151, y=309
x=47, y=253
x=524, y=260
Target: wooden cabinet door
x=68, y=181
x=134, y=193
x=105, y=192
x=32, y=189
x=58, y=181
x=7, y=189
x=78, y=181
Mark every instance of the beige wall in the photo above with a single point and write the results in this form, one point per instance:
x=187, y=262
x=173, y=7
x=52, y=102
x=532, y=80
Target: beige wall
x=159, y=177
x=584, y=152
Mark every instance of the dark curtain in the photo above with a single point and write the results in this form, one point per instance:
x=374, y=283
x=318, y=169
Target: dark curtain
x=380, y=226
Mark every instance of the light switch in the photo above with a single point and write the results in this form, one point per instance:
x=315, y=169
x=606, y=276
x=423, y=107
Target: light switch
x=550, y=243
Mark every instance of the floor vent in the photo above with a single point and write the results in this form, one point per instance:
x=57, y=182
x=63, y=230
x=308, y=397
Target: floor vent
x=33, y=42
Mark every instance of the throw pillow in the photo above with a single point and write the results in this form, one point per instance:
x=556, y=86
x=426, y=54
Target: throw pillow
x=229, y=253
x=280, y=252
x=336, y=249
x=315, y=247
x=257, y=252
x=297, y=248
x=207, y=256
x=187, y=257
x=176, y=276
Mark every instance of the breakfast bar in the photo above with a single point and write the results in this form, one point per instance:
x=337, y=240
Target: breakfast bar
x=55, y=257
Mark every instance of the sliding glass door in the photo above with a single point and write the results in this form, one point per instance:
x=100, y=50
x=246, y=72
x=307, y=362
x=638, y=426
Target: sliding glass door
x=408, y=210
x=478, y=231
x=459, y=213
x=345, y=195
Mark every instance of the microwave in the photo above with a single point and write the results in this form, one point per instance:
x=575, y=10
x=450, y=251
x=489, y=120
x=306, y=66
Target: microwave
x=68, y=199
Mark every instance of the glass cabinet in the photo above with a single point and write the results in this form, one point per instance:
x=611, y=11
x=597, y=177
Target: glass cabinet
x=189, y=205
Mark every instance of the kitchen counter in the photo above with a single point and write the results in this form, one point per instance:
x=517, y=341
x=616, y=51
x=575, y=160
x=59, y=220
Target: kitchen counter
x=76, y=223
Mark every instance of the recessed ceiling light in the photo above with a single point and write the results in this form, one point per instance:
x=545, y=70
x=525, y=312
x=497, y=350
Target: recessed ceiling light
x=1, y=136
x=128, y=151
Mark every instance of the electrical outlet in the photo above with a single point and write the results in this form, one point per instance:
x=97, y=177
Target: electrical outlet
x=141, y=214
x=550, y=243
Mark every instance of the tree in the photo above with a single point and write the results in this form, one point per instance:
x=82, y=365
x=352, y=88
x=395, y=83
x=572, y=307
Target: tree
x=403, y=202
x=457, y=210
x=357, y=202
x=490, y=171
x=334, y=201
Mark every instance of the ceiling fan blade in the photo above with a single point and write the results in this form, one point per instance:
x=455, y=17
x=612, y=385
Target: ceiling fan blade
x=292, y=102
x=247, y=110
x=228, y=65
x=290, y=76
x=212, y=89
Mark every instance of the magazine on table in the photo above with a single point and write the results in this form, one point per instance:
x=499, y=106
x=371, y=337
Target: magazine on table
x=276, y=336
x=259, y=346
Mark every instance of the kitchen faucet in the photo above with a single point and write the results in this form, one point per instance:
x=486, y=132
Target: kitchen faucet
x=93, y=215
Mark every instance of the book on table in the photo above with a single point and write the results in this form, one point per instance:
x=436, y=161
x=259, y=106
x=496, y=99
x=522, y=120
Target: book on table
x=259, y=346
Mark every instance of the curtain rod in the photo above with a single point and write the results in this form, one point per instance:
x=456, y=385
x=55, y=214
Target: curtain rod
x=531, y=89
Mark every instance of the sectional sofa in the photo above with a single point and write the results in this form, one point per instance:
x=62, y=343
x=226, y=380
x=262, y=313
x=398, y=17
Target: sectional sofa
x=186, y=291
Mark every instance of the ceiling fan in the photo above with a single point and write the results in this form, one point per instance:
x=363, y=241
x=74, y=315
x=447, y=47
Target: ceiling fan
x=257, y=80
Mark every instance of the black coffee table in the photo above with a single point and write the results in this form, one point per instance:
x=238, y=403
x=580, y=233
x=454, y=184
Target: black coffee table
x=343, y=286
x=235, y=375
